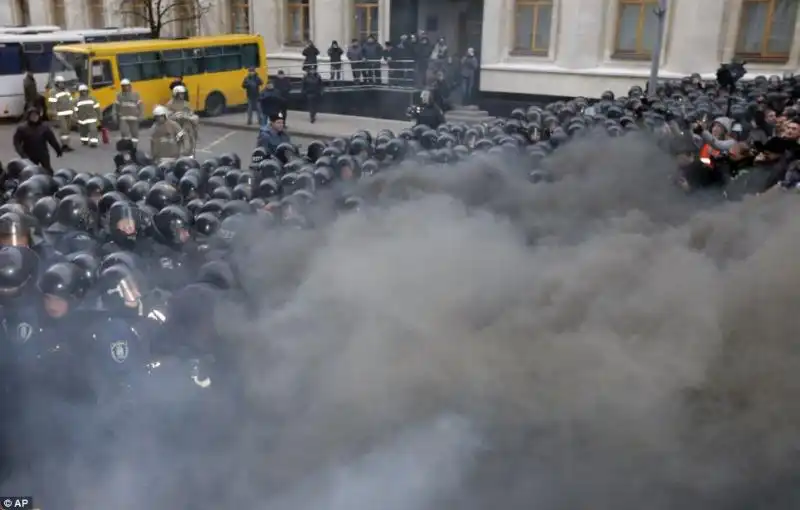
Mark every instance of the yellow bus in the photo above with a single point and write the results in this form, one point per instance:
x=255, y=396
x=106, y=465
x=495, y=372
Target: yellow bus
x=212, y=68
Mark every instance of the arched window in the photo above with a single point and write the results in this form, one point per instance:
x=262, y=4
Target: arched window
x=97, y=13
x=365, y=14
x=23, y=13
x=240, y=16
x=58, y=13
x=185, y=13
x=298, y=22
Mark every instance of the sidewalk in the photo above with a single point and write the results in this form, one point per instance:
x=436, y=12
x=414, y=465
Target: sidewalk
x=327, y=127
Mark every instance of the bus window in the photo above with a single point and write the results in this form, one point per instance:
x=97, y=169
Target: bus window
x=250, y=57
x=10, y=59
x=173, y=62
x=37, y=57
x=129, y=67
x=151, y=65
x=101, y=74
x=232, y=59
x=191, y=62
x=212, y=60
x=140, y=66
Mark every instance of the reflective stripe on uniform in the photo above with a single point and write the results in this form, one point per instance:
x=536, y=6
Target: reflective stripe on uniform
x=52, y=99
x=86, y=102
x=129, y=117
x=84, y=138
x=87, y=121
x=64, y=113
x=94, y=141
x=135, y=140
x=62, y=94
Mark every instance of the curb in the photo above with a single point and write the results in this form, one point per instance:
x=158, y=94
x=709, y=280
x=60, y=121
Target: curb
x=243, y=127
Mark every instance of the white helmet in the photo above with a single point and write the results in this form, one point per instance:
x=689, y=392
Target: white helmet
x=59, y=79
x=160, y=111
x=124, y=82
x=83, y=88
x=179, y=89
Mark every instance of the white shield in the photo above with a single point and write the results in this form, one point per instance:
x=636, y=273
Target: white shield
x=24, y=331
x=119, y=351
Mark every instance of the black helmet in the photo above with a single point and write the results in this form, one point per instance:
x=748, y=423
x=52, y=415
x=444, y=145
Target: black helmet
x=119, y=289
x=206, y=224
x=77, y=212
x=268, y=188
x=88, y=266
x=29, y=192
x=15, y=230
x=235, y=207
x=189, y=187
x=172, y=224
x=161, y=195
x=182, y=165
x=194, y=206
x=116, y=258
x=258, y=155
x=17, y=266
x=268, y=169
x=230, y=159
x=97, y=186
x=45, y=211
x=63, y=280
x=242, y=192
x=314, y=150
x=213, y=206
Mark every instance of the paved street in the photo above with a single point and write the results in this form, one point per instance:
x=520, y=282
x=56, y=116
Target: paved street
x=213, y=140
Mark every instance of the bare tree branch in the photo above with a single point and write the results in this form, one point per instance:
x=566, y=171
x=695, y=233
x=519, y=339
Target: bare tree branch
x=157, y=14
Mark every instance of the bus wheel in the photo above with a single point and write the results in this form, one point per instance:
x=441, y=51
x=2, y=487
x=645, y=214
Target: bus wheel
x=109, y=122
x=215, y=104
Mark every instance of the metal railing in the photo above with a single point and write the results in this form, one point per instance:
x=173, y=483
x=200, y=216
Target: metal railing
x=363, y=74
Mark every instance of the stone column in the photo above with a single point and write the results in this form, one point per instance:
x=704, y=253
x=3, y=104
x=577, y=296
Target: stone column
x=580, y=45
x=694, y=33
x=497, y=19
x=39, y=12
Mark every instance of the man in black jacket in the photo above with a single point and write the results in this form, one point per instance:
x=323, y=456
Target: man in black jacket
x=284, y=87
x=312, y=90
x=272, y=102
x=32, y=137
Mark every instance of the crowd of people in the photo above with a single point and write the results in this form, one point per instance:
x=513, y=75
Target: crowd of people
x=104, y=277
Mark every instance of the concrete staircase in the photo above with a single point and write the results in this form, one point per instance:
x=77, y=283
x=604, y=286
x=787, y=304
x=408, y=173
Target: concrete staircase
x=468, y=114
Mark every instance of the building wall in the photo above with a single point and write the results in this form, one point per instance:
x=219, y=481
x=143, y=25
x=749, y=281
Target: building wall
x=699, y=35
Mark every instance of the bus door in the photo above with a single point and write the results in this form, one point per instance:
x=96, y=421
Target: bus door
x=103, y=83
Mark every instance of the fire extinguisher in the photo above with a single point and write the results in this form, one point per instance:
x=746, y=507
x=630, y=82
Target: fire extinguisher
x=104, y=134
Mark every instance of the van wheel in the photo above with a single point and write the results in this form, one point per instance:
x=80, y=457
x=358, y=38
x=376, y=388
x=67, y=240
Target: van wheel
x=215, y=104
x=109, y=122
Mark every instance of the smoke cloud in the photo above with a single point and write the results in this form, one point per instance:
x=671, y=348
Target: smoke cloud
x=474, y=341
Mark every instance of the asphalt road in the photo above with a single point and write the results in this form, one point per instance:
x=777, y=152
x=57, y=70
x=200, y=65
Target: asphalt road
x=212, y=140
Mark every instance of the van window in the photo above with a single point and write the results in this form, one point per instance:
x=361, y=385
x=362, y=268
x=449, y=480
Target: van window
x=250, y=57
x=140, y=66
x=10, y=59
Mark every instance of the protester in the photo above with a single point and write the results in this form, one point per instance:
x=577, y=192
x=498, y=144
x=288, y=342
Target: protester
x=271, y=102
x=312, y=91
x=372, y=53
x=310, y=56
x=335, y=54
x=252, y=86
x=284, y=87
x=469, y=68
x=32, y=138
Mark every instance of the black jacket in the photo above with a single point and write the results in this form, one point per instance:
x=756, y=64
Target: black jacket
x=335, y=53
x=283, y=86
x=311, y=53
x=30, y=140
x=312, y=85
x=430, y=115
x=272, y=102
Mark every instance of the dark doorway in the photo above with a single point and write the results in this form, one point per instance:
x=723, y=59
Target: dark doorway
x=403, y=18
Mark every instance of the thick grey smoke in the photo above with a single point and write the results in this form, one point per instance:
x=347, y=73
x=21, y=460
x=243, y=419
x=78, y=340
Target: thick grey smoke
x=475, y=341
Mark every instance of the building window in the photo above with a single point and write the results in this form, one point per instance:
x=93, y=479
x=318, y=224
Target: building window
x=298, y=22
x=637, y=29
x=365, y=14
x=24, y=11
x=58, y=13
x=532, y=21
x=186, y=18
x=766, y=30
x=97, y=13
x=240, y=16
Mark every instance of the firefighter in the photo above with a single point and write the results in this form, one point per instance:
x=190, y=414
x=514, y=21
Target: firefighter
x=166, y=138
x=181, y=112
x=62, y=108
x=87, y=112
x=128, y=112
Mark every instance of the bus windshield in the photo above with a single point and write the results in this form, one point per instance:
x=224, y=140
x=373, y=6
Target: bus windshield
x=72, y=66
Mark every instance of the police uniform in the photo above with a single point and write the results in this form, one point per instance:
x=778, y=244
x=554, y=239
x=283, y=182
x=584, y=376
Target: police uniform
x=87, y=113
x=128, y=107
x=181, y=112
x=61, y=108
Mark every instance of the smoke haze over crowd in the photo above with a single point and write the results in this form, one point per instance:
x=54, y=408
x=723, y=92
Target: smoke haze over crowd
x=476, y=341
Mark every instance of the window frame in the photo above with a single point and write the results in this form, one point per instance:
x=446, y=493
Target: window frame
x=304, y=7
x=108, y=66
x=372, y=10
x=96, y=9
x=139, y=65
x=636, y=54
x=532, y=50
x=764, y=55
x=240, y=7
x=58, y=13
